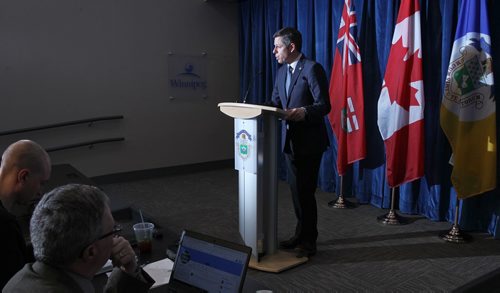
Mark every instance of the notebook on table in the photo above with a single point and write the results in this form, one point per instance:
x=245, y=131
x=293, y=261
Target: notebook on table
x=207, y=264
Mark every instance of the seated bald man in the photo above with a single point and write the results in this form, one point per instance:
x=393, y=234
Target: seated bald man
x=24, y=168
x=73, y=235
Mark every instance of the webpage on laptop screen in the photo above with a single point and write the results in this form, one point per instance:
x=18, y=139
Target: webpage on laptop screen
x=209, y=266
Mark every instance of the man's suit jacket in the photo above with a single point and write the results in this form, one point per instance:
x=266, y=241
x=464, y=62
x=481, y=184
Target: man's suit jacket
x=39, y=277
x=13, y=250
x=308, y=89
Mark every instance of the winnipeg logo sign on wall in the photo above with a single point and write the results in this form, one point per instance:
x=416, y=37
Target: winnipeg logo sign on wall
x=187, y=76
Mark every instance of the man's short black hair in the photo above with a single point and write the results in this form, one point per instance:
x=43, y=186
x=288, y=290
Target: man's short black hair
x=290, y=35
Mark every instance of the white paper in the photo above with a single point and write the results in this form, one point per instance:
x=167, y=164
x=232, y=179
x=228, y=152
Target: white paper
x=160, y=271
x=107, y=267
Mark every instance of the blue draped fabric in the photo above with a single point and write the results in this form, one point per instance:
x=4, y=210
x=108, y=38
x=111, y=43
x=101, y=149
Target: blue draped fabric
x=433, y=195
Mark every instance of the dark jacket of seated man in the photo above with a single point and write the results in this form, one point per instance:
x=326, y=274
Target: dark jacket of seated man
x=73, y=235
x=13, y=250
x=24, y=168
x=40, y=277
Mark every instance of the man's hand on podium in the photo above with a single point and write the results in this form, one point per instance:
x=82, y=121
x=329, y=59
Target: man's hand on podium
x=296, y=114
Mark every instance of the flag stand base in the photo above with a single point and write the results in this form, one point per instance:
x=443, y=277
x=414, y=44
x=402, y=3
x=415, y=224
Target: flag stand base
x=392, y=218
x=340, y=203
x=455, y=236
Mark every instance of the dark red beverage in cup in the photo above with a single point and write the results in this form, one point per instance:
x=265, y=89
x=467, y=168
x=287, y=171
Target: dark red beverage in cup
x=144, y=236
x=145, y=246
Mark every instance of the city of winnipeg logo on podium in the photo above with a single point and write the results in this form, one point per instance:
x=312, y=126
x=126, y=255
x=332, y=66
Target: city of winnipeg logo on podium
x=243, y=144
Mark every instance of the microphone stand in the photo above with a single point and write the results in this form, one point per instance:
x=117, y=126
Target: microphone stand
x=250, y=84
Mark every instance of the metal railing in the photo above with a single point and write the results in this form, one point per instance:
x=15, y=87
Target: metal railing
x=89, y=143
x=61, y=124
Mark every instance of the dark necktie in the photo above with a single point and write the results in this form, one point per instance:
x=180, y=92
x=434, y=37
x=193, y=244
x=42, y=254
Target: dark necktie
x=288, y=79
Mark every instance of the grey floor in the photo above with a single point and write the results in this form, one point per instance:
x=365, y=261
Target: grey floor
x=355, y=252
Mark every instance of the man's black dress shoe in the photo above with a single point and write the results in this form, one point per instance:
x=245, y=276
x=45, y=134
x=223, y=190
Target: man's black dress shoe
x=305, y=250
x=290, y=243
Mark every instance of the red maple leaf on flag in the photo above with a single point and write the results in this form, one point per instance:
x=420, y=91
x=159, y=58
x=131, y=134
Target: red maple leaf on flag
x=401, y=102
x=400, y=86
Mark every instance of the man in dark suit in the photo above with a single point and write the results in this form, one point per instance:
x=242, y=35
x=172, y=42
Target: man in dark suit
x=301, y=89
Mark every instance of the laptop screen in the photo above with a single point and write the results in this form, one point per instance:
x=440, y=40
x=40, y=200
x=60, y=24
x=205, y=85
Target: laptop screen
x=210, y=264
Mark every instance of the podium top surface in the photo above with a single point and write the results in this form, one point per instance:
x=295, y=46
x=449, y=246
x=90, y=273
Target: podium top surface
x=247, y=111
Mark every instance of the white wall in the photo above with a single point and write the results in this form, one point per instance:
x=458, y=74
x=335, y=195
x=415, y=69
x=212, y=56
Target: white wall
x=63, y=60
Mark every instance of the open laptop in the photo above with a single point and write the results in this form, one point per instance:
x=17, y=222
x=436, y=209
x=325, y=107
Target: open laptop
x=207, y=264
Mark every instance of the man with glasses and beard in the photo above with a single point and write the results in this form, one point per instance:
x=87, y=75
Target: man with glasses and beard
x=73, y=235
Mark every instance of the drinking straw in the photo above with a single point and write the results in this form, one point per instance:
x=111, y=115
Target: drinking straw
x=142, y=219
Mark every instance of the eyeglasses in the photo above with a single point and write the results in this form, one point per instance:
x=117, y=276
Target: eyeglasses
x=116, y=229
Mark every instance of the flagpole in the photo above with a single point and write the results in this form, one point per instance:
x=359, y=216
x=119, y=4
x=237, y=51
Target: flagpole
x=455, y=235
x=341, y=202
x=392, y=218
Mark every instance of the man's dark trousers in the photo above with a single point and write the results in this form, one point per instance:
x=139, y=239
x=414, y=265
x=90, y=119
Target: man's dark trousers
x=303, y=178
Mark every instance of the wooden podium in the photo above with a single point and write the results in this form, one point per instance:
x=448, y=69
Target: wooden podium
x=255, y=157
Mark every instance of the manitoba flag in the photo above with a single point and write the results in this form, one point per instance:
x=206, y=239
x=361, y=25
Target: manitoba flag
x=401, y=102
x=346, y=93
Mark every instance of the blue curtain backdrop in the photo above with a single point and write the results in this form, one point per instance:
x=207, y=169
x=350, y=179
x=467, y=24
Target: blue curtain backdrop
x=432, y=196
x=318, y=20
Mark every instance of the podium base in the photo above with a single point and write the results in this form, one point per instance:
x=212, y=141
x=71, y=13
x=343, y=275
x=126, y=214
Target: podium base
x=278, y=262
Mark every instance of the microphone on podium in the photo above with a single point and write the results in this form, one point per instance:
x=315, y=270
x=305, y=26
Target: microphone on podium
x=250, y=84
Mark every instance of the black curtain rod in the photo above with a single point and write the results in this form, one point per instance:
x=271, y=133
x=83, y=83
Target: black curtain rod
x=89, y=143
x=60, y=124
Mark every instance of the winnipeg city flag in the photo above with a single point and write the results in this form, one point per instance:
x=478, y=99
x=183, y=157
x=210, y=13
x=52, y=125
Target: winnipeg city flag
x=346, y=93
x=468, y=115
x=401, y=102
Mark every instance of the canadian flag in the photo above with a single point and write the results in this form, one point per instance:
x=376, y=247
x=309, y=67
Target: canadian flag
x=401, y=102
x=346, y=93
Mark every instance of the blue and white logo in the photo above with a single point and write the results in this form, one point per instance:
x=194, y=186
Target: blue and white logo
x=187, y=76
